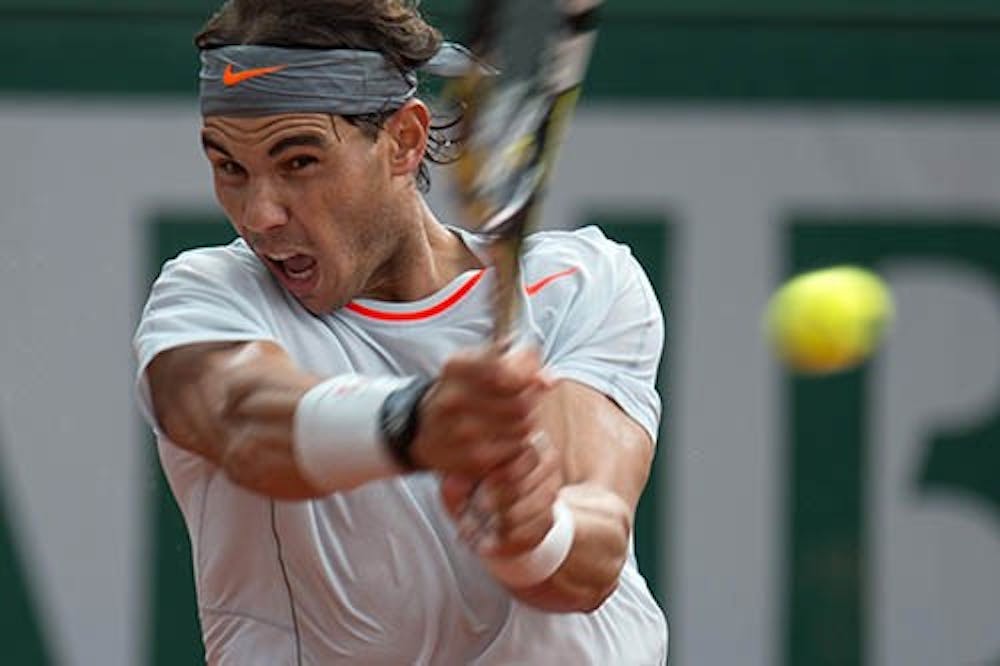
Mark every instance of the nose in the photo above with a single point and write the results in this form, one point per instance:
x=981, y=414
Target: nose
x=264, y=208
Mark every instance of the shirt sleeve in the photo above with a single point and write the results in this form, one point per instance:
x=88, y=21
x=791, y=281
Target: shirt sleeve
x=610, y=334
x=201, y=296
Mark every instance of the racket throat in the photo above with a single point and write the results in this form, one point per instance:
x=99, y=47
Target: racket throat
x=507, y=291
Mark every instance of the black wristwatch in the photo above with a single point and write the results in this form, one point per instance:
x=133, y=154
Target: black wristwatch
x=398, y=420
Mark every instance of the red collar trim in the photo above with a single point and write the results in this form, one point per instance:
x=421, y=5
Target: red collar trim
x=451, y=301
x=418, y=315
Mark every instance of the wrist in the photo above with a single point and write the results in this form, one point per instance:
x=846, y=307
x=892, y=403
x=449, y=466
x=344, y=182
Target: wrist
x=399, y=420
x=338, y=440
x=542, y=561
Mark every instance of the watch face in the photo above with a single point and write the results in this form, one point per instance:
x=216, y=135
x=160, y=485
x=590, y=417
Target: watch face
x=399, y=420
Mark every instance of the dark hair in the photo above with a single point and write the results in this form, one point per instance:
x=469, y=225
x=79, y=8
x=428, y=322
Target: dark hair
x=393, y=27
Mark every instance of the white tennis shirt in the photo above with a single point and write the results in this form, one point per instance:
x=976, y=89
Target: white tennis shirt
x=377, y=575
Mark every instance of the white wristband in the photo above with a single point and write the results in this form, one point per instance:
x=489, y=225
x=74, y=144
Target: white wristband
x=543, y=560
x=337, y=442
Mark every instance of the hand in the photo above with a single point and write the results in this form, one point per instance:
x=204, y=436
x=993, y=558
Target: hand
x=509, y=511
x=480, y=412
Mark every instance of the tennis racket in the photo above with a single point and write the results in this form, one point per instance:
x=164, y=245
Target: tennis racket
x=513, y=123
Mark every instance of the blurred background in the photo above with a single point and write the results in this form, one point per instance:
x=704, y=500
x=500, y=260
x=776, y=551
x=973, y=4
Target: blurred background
x=791, y=521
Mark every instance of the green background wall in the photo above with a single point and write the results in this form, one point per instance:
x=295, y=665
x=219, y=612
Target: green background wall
x=916, y=53
x=924, y=51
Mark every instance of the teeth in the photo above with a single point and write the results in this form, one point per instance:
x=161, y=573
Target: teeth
x=299, y=275
x=281, y=257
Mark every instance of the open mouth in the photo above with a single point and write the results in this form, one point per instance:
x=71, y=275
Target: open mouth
x=299, y=267
x=296, y=269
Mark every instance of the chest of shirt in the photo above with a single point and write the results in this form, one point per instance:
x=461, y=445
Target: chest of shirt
x=402, y=341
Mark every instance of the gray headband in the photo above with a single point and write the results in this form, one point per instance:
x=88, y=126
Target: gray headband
x=250, y=80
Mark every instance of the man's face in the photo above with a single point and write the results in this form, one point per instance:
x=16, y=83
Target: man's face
x=312, y=195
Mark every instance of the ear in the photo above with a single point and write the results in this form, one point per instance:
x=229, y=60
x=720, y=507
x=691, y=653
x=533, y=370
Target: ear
x=408, y=129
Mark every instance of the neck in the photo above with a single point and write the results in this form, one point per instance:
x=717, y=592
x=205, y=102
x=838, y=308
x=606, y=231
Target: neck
x=425, y=258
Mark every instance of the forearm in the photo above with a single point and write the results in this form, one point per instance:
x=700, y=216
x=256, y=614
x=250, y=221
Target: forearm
x=606, y=461
x=602, y=529
x=268, y=425
x=282, y=432
x=234, y=404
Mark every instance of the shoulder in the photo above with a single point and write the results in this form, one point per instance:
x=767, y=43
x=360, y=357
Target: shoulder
x=580, y=260
x=584, y=244
x=222, y=274
x=223, y=291
x=213, y=294
x=596, y=317
x=232, y=263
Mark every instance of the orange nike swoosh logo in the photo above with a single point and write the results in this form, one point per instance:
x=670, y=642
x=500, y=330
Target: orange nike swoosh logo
x=231, y=78
x=536, y=287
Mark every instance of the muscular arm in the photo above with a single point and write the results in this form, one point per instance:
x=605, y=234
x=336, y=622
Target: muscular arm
x=606, y=462
x=234, y=404
x=604, y=456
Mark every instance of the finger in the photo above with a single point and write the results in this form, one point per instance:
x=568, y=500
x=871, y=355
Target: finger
x=538, y=462
x=532, y=493
x=468, y=400
x=515, y=470
x=468, y=444
x=513, y=484
x=503, y=374
x=478, y=521
x=524, y=525
x=514, y=479
x=491, y=457
x=455, y=493
x=521, y=521
x=514, y=405
x=520, y=539
x=536, y=498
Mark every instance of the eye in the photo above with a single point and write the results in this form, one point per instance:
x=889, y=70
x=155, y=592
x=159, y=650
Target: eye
x=300, y=162
x=229, y=169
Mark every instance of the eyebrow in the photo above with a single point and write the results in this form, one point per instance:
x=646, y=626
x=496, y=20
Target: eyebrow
x=275, y=150
x=297, y=140
x=207, y=144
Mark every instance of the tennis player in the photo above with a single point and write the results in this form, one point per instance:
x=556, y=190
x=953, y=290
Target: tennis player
x=364, y=478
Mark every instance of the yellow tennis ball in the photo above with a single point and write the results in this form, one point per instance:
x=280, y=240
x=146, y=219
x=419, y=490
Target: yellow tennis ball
x=829, y=320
